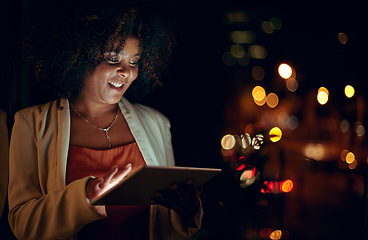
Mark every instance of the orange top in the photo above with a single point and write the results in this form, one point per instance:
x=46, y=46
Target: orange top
x=122, y=222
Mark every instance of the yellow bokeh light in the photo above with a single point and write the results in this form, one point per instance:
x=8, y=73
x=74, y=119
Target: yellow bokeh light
x=276, y=235
x=323, y=89
x=260, y=103
x=275, y=134
x=285, y=71
x=350, y=158
x=258, y=93
x=228, y=142
x=322, y=96
x=349, y=91
x=272, y=100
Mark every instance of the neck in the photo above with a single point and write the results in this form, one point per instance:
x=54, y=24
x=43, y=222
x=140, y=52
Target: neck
x=94, y=110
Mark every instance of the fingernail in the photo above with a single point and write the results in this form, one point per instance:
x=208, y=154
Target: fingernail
x=128, y=165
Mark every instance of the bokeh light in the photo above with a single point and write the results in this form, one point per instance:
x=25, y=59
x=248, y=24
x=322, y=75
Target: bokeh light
x=350, y=157
x=259, y=95
x=267, y=27
x=343, y=154
x=342, y=37
x=287, y=186
x=285, y=71
x=292, y=84
x=276, y=23
x=237, y=50
x=349, y=91
x=242, y=37
x=276, y=235
x=323, y=95
x=275, y=134
x=353, y=165
x=258, y=73
x=344, y=126
x=268, y=187
x=315, y=151
x=248, y=174
x=236, y=16
x=257, y=52
x=272, y=100
x=292, y=122
x=359, y=129
x=265, y=232
x=228, y=142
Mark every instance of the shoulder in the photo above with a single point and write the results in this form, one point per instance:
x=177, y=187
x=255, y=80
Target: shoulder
x=37, y=109
x=38, y=113
x=149, y=111
x=145, y=113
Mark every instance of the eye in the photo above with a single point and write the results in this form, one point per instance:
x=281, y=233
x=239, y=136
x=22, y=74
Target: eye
x=133, y=63
x=112, y=58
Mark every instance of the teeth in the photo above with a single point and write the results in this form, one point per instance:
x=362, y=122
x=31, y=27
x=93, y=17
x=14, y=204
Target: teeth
x=116, y=84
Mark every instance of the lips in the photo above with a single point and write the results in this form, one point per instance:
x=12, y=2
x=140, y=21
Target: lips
x=117, y=85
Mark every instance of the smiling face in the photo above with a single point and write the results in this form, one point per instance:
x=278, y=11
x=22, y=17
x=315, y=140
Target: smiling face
x=110, y=80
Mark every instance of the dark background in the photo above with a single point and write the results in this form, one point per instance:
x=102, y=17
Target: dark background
x=201, y=99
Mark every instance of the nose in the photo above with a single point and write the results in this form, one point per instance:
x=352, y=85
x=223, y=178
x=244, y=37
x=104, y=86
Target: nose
x=123, y=71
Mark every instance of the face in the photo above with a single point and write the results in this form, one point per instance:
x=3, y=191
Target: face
x=109, y=81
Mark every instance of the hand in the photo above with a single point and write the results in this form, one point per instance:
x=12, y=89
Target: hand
x=98, y=186
x=182, y=198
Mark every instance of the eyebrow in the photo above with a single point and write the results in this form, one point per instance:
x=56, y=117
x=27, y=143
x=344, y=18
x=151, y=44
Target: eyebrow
x=124, y=53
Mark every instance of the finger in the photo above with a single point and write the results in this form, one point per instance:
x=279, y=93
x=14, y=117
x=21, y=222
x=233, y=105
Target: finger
x=122, y=173
x=107, y=178
x=93, y=187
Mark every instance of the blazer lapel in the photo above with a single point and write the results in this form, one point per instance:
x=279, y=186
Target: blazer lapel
x=63, y=135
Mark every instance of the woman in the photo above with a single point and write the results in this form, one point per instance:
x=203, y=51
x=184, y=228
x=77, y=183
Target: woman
x=66, y=152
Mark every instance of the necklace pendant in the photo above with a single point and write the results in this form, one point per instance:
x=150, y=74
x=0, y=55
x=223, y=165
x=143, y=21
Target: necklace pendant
x=108, y=137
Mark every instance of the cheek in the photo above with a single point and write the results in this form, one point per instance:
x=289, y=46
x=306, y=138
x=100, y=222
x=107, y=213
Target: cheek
x=134, y=74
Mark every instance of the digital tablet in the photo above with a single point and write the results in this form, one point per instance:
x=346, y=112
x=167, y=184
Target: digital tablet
x=140, y=186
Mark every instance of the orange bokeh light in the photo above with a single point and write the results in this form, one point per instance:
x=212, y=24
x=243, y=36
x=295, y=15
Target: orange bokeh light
x=287, y=186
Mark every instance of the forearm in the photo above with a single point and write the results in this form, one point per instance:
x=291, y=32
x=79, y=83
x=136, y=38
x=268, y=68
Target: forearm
x=59, y=214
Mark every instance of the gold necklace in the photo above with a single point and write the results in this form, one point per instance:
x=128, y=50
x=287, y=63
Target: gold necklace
x=106, y=130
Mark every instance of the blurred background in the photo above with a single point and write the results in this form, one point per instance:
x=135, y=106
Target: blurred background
x=274, y=94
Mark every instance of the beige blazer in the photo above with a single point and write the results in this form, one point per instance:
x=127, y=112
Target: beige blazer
x=41, y=206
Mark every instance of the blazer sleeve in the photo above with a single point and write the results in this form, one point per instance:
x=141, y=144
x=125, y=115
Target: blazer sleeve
x=36, y=211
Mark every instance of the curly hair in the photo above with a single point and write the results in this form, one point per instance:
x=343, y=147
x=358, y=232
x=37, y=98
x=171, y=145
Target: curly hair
x=76, y=38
